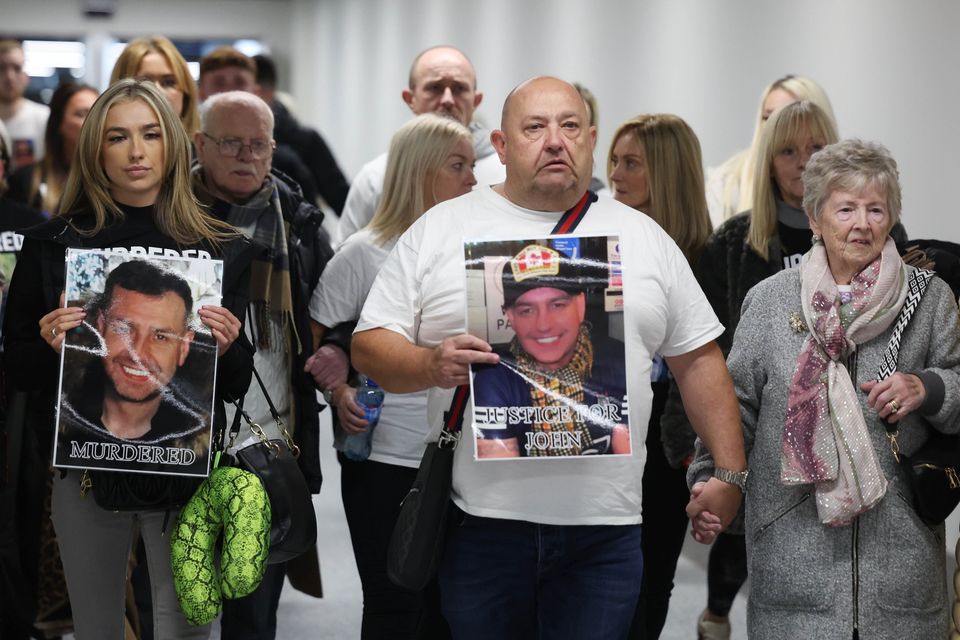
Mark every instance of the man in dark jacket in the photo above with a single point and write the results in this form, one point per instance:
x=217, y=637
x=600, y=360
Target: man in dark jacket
x=234, y=179
x=307, y=142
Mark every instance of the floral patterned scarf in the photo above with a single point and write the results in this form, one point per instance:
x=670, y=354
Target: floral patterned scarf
x=825, y=437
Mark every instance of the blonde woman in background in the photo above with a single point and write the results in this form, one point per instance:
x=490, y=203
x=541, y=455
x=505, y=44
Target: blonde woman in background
x=730, y=186
x=655, y=165
x=156, y=59
x=430, y=160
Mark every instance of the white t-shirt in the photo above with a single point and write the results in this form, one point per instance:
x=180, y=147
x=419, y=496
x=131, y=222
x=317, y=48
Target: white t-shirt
x=420, y=293
x=26, y=130
x=366, y=188
x=400, y=434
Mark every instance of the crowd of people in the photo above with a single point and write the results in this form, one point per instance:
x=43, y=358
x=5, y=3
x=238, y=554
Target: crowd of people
x=676, y=351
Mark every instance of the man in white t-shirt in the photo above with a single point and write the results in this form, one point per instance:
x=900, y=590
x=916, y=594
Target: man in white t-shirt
x=26, y=121
x=549, y=547
x=442, y=81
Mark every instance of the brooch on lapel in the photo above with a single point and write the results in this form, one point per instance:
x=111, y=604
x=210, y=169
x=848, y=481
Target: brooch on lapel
x=796, y=323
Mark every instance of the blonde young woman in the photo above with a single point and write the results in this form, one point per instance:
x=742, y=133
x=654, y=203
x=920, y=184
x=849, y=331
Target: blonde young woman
x=730, y=186
x=156, y=59
x=654, y=165
x=128, y=190
x=430, y=160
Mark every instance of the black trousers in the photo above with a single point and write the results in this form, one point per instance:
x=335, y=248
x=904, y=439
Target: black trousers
x=254, y=617
x=726, y=572
x=372, y=492
x=665, y=497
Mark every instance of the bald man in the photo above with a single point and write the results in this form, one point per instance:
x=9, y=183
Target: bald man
x=443, y=81
x=548, y=548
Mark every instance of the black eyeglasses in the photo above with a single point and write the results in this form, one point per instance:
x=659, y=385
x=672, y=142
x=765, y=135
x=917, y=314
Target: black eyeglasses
x=231, y=147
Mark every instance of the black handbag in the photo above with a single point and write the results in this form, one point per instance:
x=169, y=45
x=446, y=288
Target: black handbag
x=418, y=536
x=932, y=470
x=293, y=523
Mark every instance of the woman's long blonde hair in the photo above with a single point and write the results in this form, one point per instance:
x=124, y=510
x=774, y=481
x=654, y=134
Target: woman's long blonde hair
x=782, y=130
x=417, y=152
x=742, y=167
x=176, y=212
x=674, y=178
x=133, y=54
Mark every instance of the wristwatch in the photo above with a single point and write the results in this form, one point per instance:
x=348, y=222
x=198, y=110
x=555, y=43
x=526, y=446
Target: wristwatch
x=736, y=478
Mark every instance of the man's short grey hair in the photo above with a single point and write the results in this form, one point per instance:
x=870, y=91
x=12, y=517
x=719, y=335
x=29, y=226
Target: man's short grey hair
x=234, y=99
x=851, y=165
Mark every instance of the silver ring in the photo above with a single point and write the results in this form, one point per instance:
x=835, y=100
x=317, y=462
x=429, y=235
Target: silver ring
x=53, y=331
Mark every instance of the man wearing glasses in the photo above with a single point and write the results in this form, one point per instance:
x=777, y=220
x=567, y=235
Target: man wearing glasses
x=233, y=179
x=227, y=69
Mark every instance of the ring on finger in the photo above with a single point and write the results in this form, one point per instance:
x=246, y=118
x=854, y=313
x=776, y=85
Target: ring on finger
x=894, y=406
x=53, y=331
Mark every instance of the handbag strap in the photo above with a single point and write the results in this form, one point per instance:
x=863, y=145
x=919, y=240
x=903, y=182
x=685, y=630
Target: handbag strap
x=574, y=215
x=916, y=287
x=256, y=428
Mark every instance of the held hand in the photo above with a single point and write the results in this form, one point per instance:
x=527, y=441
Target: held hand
x=329, y=366
x=54, y=325
x=450, y=361
x=713, y=506
x=352, y=417
x=895, y=397
x=223, y=324
x=705, y=525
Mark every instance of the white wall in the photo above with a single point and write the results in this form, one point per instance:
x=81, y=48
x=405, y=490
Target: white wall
x=888, y=65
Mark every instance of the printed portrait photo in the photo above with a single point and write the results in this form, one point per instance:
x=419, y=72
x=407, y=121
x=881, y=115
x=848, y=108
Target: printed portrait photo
x=552, y=309
x=137, y=377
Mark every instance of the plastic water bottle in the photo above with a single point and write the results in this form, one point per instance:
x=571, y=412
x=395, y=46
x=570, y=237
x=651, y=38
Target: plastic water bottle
x=370, y=397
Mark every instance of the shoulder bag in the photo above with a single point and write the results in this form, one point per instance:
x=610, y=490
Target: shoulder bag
x=418, y=536
x=932, y=470
x=293, y=527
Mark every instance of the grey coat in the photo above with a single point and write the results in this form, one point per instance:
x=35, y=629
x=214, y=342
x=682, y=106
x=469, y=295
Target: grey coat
x=883, y=574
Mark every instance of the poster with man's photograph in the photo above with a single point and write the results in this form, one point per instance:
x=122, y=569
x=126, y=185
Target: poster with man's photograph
x=137, y=376
x=552, y=309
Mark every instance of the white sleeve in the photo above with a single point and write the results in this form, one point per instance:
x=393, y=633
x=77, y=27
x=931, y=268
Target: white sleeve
x=715, y=196
x=338, y=296
x=361, y=203
x=394, y=301
x=691, y=322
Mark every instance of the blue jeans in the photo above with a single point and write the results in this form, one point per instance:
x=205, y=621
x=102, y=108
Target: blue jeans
x=513, y=579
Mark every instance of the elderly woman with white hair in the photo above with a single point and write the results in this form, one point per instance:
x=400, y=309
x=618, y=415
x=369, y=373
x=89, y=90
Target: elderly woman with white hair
x=835, y=548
